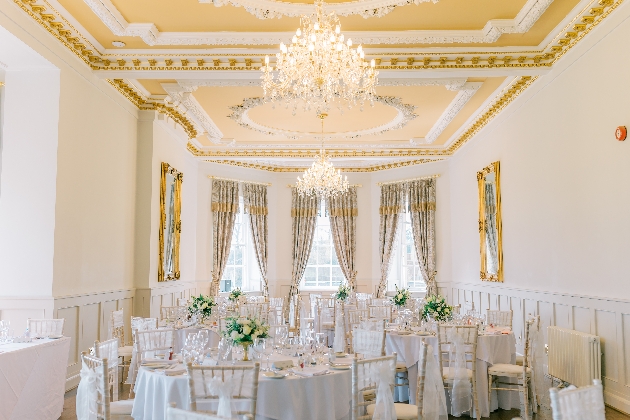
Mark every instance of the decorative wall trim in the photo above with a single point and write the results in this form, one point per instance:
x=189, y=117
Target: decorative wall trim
x=277, y=168
x=269, y=9
x=149, y=300
x=463, y=96
x=190, y=85
x=608, y=318
x=405, y=114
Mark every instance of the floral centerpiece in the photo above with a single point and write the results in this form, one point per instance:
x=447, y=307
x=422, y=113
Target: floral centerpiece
x=437, y=308
x=201, y=306
x=401, y=297
x=244, y=331
x=235, y=294
x=343, y=292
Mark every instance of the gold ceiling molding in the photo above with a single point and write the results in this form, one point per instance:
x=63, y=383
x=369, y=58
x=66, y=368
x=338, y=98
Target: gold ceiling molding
x=149, y=105
x=274, y=168
x=44, y=14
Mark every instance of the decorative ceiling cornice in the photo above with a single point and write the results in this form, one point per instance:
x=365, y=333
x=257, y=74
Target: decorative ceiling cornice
x=264, y=9
x=405, y=114
x=277, y=168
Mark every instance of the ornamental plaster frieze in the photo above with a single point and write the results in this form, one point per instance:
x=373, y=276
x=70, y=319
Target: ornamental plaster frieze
x=263, y=9
x=277, y=168
x=405, y=113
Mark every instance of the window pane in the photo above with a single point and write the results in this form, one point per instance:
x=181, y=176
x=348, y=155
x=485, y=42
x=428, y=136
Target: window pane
x=238, y=276
x=337, y=276
x=333, y=254
x=312, y=259
x=323, y=276
x=322, y=256
x=238, y=255
x=310, y=276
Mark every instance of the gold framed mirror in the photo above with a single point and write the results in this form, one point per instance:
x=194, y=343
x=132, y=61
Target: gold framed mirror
x=170, y=222
x=490, y=223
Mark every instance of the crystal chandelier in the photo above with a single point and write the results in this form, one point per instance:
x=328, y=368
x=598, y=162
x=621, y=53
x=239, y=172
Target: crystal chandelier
x=321, y=179
x=319, y=68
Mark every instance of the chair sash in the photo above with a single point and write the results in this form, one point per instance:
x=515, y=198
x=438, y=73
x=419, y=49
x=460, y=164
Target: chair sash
x=461, y=391
x=87, y=394
x=224, y=390
x=433, y=399
x=381, y=374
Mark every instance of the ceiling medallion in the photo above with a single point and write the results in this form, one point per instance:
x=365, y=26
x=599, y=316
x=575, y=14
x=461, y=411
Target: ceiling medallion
x=405, y=114
x=321, y=179
x=318, y=69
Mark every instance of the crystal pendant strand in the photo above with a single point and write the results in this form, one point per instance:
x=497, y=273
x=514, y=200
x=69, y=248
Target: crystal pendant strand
x=319, y=68
x=321, y=179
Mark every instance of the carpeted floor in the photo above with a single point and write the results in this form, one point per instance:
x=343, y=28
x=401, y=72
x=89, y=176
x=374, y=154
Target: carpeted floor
x=69, y=410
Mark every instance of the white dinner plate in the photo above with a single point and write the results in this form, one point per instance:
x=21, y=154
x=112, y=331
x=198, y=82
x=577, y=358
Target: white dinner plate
x=340, y=354
x=340, y=367
x=274, y=375
x=423, y=333
x=54, y=337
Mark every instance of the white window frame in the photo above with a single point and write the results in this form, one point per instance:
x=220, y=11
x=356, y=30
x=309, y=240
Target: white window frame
x=320, y=240
x=251, y=280
x=401, y=260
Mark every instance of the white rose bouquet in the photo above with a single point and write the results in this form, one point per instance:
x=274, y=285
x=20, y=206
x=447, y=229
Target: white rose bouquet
x=201, y=306
x=245, y=330
x=401, y=296
x=437, y=308
x=343, y=292
x=235, y=294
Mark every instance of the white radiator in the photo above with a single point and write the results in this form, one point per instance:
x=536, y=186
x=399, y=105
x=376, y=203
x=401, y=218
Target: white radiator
x=574, y=357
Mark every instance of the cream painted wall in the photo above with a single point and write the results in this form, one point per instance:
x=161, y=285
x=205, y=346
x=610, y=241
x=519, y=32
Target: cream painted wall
x=565, y=198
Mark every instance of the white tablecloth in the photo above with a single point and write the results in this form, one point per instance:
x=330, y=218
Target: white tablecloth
x=325, y=397
x=32, y=379
x=181, y=334
x=491, y=349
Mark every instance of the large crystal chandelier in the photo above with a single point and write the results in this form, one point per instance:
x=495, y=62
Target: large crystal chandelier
x=319, y=68
x=321, y=179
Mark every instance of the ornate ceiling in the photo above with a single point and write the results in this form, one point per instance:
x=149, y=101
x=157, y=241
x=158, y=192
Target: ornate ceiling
x=447, y=67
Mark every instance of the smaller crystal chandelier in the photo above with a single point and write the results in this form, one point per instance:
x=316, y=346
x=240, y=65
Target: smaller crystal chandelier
x=321, y=179
x=320, y=67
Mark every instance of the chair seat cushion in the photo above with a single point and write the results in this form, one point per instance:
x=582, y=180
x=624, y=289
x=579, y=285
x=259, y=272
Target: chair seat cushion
x=403, y=411
x=125, y=351
x=519, y=359
x=327, y=325
x=401, y=367
x=446, y=373
x=122, y=407
x=505, y=369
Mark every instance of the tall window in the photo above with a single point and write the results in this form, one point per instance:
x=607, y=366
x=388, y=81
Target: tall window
x=242, y=268
x=322, y=269
x=403, y=268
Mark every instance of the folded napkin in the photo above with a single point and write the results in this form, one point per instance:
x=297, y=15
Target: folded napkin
x=310, y=371
x=175, y=371
x=282, y=364
x=344, y=361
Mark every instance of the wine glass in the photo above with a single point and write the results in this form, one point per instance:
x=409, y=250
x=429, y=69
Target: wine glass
x=225, y=349
x=259, y=347
x=268, y=345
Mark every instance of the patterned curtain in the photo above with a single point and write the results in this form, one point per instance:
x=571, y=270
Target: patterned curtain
x=422, y=212
x=255, y=200
x=392, y=204
x=224, y=210
x=492, y=253
x=342, y=212
x=304, y=217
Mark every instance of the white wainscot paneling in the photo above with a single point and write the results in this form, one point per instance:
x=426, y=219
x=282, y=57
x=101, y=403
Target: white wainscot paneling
x=148, y=301
x=87, y=320
x=18, y=309
x=607, y=318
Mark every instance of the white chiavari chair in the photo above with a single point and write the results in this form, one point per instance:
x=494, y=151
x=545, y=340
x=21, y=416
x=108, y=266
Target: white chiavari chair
x=45, y=327
x=295, y=304
x=150, y=343
x=445, y=335
x=182, y=301
x=173, y=413
x=251, y=310
x=365, y=385
x=102, y=408
x=414, y=411
x=117, y=330
x=172, y=313
x=138, y=324
x=355, y=318
x=499, y=318
x=312, y=300
x=205, y=382
x=380, y=312
x=379, y=302
x=275, y=311
x=585, y=403
x=326, y=313
x=109, y=350
x=368, y=343
x=522, y=374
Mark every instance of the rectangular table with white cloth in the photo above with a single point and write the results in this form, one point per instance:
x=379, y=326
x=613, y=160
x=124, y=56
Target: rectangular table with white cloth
x=491, y=349
x=32, y=379
x=325, y=397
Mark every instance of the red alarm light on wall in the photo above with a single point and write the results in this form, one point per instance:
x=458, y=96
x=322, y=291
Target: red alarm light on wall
x=621, y=133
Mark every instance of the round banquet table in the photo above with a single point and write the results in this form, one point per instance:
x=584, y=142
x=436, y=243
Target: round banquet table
x=324, y=397
x=491, y=349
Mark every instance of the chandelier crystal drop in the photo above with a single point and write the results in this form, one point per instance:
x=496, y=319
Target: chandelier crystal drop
x=319, y=68
x=321, y=179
